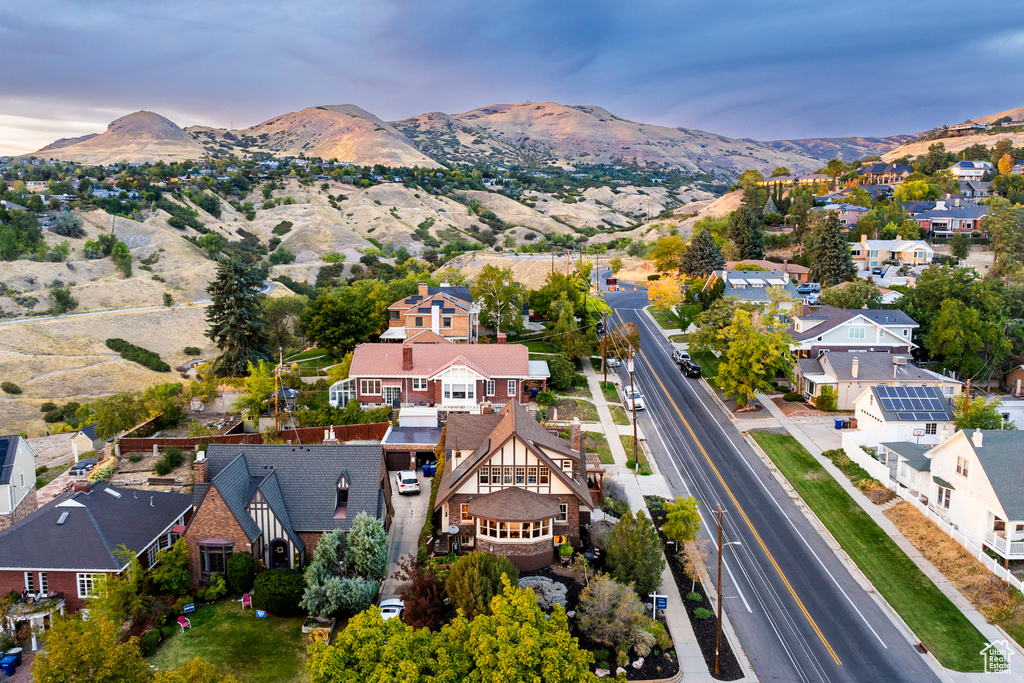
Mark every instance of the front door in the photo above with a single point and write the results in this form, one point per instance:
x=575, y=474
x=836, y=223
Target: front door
x=279, y=555
x=392, y=395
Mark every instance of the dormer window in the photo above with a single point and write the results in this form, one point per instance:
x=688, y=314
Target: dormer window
x=341, y=500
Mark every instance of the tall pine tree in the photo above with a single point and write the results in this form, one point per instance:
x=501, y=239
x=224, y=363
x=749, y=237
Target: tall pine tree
x=746, y=233
x=830, y=256
x=237, y=320
x=703, y=256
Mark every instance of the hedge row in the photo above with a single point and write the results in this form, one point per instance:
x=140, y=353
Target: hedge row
x=139, y=355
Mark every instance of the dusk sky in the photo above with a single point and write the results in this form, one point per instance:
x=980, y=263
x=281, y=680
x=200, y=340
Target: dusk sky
x=783, y=69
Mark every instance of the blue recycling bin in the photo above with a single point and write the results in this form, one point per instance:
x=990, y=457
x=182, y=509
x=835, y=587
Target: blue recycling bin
x=8, y=666
x=426, y=470
x=534, y=392
x=433, y=469
x=839, y=423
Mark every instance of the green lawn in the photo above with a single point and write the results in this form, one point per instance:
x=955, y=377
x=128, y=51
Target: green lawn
x=304, y=355
x=619, y=415
x=662, y=316
x=708, y=363
x=611, y=393
x=254, y=650
x=51, y=473
x=598, y=443
x=930, y=614
x=645, y=465
x=584, y=410
x=679, y=338
x=595, y=362
x=540, y=347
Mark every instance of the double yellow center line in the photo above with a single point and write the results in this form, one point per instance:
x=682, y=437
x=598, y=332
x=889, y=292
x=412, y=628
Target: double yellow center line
x=743, y=514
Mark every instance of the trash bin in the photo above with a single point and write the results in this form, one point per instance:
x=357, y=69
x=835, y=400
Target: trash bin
x=534, y=392
x=7, y=665
x=433, y=469
x=426, y=470
x=839, y=423
x=16, y=653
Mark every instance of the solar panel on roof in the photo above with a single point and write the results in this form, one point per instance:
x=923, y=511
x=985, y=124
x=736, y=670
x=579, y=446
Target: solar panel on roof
x=906, y=417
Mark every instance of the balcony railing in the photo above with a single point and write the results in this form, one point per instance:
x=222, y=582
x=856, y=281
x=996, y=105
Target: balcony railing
x=1011, y=550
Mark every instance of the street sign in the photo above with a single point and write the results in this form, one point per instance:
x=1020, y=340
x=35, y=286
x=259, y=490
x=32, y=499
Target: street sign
x=261, y=614
x=190, y=607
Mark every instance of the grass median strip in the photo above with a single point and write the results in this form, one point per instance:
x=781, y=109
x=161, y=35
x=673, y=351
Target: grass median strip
x=663, y=317
x=943, y=628
x=619, y=415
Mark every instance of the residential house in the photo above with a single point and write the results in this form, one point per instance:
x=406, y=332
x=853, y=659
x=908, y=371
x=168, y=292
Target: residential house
x=948, y=219
x=512, y=488
x=443, y=376
x=797, y=273
x=753, y=285
x=85, y=440
x=849, y=214
x=790, y=180
x=69, y=543
x=976, y=189
x=851, y=374
x=884, y=174
x=973, y=481
x=11, y=206
x=276, y=501
x=965, y=171
x=868, y=254
x=888, y=296
x=1013, y=380
x=446, y=311
x=17, y=480
x=919, y=414
x=828, y=328
x=966, y=128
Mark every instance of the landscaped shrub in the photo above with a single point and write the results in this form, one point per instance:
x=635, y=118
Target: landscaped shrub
x=103, y=473
x=703, y=613
x=546, y=398
x=174, y=456
x=611, y=614
x=793, y=396
x=162, y=466
x=10, y=388
x=149, y=642
x=475, y=579
x=562, y=372
x=192, y=351
x=827, y=400
x=166, y=631
x=633, y=552
x=279, y=591
x=215, y=591
x=139, y=355
x=241, y=571
x=613, y=499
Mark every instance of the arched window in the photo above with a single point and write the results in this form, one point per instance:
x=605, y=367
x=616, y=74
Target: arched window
x=341, y=502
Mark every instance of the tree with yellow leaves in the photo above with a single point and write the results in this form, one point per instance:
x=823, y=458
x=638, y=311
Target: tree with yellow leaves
x=1005, y=165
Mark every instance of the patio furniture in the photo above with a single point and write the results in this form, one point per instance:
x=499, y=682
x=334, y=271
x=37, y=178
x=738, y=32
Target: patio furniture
x=184, y=623
x=246, y=601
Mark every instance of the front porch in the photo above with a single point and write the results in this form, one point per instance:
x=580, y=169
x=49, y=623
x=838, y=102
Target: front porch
x=1008, y=549
x=36, y=613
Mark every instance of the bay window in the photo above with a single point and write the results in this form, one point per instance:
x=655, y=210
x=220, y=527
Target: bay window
x=513, y=530
x=214, y=556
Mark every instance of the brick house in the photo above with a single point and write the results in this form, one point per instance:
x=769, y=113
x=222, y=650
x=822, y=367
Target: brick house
x=447, y=377
x=446, y=311
x=67, y=544
x=17, y=480
x=511, y=487
x=275, y=501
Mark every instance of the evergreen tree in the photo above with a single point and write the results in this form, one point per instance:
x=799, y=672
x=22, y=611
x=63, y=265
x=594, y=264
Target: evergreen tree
x=830, y=256
x=703, y=256
x=746, y=233
x=237, y=318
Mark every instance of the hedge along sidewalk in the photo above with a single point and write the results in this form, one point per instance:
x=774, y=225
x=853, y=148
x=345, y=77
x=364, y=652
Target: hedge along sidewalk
x=927, y=611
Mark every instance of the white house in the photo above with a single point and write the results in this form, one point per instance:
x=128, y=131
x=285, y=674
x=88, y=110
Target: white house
x=17, y=480
x=918, y=414
x=970, y=170
x=859, y=329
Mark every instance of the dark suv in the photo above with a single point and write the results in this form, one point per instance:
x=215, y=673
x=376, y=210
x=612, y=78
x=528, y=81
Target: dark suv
x=690, y=369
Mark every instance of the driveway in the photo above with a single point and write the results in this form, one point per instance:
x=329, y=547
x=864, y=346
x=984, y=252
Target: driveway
x=404, y=535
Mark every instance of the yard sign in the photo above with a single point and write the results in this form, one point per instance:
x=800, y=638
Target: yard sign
x=262, y=614
x=190, y=607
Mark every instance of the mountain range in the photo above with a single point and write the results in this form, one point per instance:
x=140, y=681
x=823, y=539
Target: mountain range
x=525, y=133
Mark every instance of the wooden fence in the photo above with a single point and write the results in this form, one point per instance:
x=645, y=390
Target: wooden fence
x=308, y=435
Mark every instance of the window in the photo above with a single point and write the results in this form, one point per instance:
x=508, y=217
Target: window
x=419, y=383
x=873, y=253
x=44, y=582
x=490, y=387
x=446, y=322
x=495, y=475
x=485, y=475
x=466, y=540
x=213, y=559
x=856, y=333
x=931, y=428
x=513, y=530
x=944, y=495
x=460, y=392
x=511, y=387
x=30, y=582
x=948, y=391
x=151, y=554
x=393, y=315
x=508, y=475
x=531, y=476
x=567, y=465
x=906, y=333
x=544, y=475
x=520, y=476
x=961, y=466
x=419, y=321
x=86, y=585
x=22, y=480
x=464, y=512
x=563, y=513
x=369, y=387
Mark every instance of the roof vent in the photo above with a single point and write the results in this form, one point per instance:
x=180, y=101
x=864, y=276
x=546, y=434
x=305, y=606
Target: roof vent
x=115, y=494
x=63, y=518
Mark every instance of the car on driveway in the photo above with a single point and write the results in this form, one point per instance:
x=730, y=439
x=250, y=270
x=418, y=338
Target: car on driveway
x=690, y=369
x=407, y=482
x=392, y=608
x=634, y=399
x=876, y=271
x=679, y=355
x=808, y=288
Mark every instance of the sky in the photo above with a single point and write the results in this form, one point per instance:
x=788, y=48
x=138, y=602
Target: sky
x=764, y=70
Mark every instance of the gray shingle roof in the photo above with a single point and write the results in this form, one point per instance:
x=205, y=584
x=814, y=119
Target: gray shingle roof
x=89, y=431
x=514, y=504
x=96, y=524
x=875, y=366
x=1002, y=457
x=913, y=453
x=308, y=475
x=832, y=317
x=748, y=293
x=964, y=211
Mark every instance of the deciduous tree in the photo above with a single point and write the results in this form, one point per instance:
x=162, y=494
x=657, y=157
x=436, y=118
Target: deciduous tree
x=978, y=413
x=611, y=614
x=854, y=294
x=500, y=298
x=633, y=552
x=668, y=254
x=754, y=356
x=682, y=523
x=89, y=650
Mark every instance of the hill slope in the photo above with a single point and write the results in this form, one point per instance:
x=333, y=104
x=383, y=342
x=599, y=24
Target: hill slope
x=846, y=149
x=135, y=138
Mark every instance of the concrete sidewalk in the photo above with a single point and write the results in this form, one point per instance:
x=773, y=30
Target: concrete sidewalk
x=989, y=631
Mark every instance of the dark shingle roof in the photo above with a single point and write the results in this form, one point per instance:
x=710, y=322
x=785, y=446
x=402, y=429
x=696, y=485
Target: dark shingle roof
x=1001, y=455
x=462, y=293
x=913, y=453
x=833, y=317
x=514, y=505
x=96, y=524
x=308, y=478
x=466, y=432
x=89, y=431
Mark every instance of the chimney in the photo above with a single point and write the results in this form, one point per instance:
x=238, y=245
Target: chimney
x=422, y=289
x=82, y=485
x=407, y=357
x=806, y=309
x=201, y=469
x=976, y=438
x=501, y=337
x=575, y=436
x=864, y=240
x=855, y=367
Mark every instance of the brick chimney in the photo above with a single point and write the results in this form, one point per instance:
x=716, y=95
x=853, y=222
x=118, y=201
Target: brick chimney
x=575, y=436
x=82, y=485
x=201, y=469
x=407, y=357
x=976, y=438
x=806, y=308
x=855, y=367
x=502, y=337
x=422, y=289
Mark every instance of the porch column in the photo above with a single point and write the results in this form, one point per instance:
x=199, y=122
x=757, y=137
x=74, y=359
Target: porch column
x=32, y=630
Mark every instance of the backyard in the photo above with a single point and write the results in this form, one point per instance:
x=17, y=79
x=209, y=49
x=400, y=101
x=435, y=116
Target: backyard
x=942, y=627
x=253, y=650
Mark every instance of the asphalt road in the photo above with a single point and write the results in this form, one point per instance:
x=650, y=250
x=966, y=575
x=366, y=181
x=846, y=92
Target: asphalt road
x=797, y=610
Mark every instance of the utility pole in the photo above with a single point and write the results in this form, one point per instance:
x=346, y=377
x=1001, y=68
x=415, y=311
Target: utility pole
x=604, y=350
x=718, y=642
x=632, y=401
x=277, y=372
x=967, y=399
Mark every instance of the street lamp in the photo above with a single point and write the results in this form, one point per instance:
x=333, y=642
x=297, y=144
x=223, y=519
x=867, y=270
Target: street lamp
x=632, y=402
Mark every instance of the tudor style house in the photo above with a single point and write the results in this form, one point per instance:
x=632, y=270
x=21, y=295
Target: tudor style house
x=860, y=329
x=512, y=488
x=17, y=480
x=445, y=311
x=444, y=376
x=275, y=501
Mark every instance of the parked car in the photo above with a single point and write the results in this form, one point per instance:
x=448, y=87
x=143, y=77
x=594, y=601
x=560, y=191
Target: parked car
x=680, y=355
x=534, y=318
x=599, y=327
x=614, y=362
x=877, y=271
x=634, y=399
x=392, y=608
x=407, y=482
x=690, y=369
x=812, y=299
x=808, y=288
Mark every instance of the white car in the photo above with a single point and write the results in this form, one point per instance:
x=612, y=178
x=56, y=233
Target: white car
x=407, y=482
x=678, y=356
x=392, y=608
x=614, y=362
x=634, y=399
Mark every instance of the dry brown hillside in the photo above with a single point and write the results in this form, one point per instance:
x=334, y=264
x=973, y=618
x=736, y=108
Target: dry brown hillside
x=953, y=144
x=135, y=138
